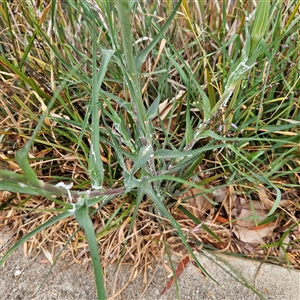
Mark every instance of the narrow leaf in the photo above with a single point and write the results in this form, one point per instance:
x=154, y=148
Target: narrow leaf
x=83, y=218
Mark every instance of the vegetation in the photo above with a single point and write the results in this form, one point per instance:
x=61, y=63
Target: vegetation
x=156, y=125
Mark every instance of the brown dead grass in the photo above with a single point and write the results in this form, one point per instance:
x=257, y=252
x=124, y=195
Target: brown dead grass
x=151, y=233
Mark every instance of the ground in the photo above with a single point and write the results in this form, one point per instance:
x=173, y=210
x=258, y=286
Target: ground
x=21, y=278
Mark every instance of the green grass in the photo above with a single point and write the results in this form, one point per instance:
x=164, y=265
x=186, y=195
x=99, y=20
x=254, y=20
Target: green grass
x=133, y=116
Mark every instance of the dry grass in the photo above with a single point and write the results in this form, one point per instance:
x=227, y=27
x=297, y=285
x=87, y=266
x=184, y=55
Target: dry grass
x=265, y=108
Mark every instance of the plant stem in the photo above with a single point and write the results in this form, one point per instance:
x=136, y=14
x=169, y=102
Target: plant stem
x=133, y=80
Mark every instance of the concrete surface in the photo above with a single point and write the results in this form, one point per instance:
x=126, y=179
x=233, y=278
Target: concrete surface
x=21, y=277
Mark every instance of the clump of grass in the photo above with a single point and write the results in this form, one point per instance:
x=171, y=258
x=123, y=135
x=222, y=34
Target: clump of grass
x=122, y=113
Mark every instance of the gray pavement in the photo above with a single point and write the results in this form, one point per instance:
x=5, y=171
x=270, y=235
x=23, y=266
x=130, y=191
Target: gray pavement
x=21, y=277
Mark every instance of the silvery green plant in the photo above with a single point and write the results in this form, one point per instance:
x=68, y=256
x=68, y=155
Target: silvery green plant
x=144, y=178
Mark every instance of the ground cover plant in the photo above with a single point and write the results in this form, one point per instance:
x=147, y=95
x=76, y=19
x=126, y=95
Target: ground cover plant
x=150, y=126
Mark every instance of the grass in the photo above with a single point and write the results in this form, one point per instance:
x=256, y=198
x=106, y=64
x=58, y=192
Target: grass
x=142, y=120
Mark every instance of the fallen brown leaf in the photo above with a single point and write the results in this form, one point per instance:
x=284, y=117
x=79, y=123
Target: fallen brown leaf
x=199, y=204
x=253, y=236
x=179, y=270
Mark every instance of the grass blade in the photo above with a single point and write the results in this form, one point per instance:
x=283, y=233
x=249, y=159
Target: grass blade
x=83, y=218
